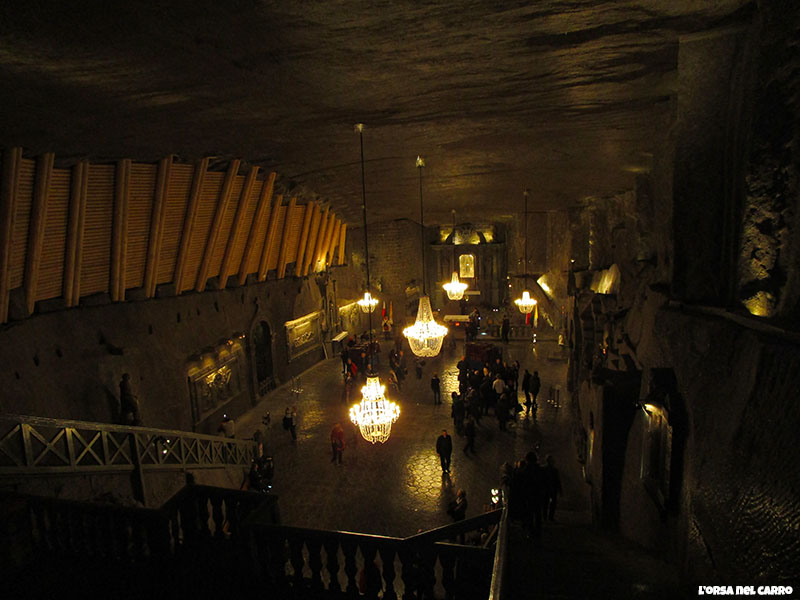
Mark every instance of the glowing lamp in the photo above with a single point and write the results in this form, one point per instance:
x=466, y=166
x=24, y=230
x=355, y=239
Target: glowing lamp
x=368, y=303
x=526, y=303
x=455, y=289
x=425, y=336
x=375, y=414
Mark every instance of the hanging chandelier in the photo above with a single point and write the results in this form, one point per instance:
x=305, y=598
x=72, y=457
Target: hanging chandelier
x=525, y=304
x=367, y=303
x=425, y=336
x=375, y=414
x=455, y=289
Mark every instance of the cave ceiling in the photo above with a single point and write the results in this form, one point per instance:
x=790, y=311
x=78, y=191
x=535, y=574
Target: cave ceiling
x=567, y=98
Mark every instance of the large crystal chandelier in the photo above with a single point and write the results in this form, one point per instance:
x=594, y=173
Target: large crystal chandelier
x=425, y=336
x=455, y=289
x=375, y=414
x=525, y=304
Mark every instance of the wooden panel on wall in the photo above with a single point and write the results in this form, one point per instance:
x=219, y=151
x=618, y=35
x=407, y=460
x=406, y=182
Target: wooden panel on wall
x=155, y=240
x=285, y=241
x=96, y=264
x=76, y=221
x=295, y=228
x=251, y=259
x=198, y=178
x=303, y=241
x=323, y=229
x=235, y=242
x=8, y=197
x=342, y=239
x=19, y=237
x=38, y=220
x=209, y=197
x=140, y=207
x=51, y=269
x=274, y=238
x=179, y=189
x=316, y=220
x=119, y=230
x=226, y=227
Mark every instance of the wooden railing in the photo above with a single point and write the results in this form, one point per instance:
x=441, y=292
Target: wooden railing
x=41, y=446
x=309, y=563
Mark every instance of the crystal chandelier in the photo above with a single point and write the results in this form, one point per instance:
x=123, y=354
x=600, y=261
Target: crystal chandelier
x=455, y=289
x=368, y=303
x=375, y=414
x=425, y=336
x=526, y=303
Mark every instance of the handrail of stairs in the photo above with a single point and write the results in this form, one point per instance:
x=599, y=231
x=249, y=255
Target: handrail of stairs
x=42, y=446
x=312, y=563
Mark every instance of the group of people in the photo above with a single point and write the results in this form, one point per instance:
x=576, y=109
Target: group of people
x=533, y=491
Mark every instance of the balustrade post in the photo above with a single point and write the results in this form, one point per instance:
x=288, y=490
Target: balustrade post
x=297, y=562
x=448, y=574
x=217, y=516
x=389, y=574
x=332, y=564
x=315, y=564
x=350, y=569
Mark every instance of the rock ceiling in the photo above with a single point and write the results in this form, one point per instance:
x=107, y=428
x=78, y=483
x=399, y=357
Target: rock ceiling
x=568, y=98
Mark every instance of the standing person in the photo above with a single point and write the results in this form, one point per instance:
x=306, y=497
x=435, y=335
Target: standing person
x=535, y=492
x=128, y=404
x=293, y=423
x=458, y=411
x=288, y=420
x=344, y=355
x=536, y=385
x=337, y=443
x=499, y=388
x=436, y=388
x=352, y=368
x=348, y=388
x=505, y=328
x=444, y=448
x=515, y=376
x=469, y=432
x=501, y=411
x=526, y=387
x=552, y=488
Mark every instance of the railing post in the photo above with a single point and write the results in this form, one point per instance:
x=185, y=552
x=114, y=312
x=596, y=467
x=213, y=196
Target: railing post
x=137, y=476
x=26, y=442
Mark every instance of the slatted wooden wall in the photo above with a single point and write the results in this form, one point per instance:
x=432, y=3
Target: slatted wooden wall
x=100, y=228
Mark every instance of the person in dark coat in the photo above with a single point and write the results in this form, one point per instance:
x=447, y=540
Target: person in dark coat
x=526, y=388
x=436, y=389
x=344, y=355
x=458, y=412
x=469, y=432
x=418, y=364
x=337, y=443
x=535, y=493
x=505, y=329
x=444, y=448
x=536, y=385
x=552, y=488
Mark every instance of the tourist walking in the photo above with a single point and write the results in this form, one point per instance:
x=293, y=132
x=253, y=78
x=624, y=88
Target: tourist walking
x=505, y=329
x=536, y=385
x=290, y=421
x=458, y=411
x=337, y=443
x=444, y=448
x=526, y=388
x=457, y=508
x=436, y=389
